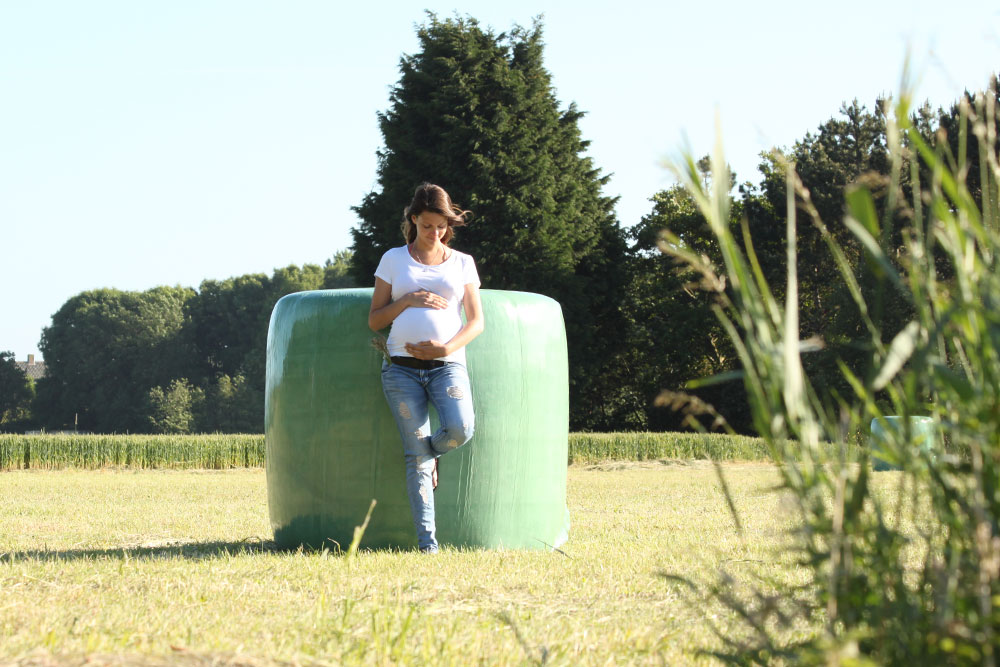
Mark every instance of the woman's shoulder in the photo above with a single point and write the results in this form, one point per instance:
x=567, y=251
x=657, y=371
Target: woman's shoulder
x=463, y=256
x=391, y=263
x=466, y=265
x=396, y=253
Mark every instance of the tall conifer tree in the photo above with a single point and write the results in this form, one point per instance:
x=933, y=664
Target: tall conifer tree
x=475, y=112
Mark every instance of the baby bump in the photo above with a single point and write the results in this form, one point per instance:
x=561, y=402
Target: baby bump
x=417, y=324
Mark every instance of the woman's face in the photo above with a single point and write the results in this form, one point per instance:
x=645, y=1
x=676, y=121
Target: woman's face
x=431, y=227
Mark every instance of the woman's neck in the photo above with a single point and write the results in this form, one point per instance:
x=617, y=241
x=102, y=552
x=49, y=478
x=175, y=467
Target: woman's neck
x=427, y=246
x=429, y=253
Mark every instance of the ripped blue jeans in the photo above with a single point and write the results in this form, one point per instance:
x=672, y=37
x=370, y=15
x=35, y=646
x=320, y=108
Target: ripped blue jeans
x=408, y=391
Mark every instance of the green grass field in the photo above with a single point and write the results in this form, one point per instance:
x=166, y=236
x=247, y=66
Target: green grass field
x=124, y=566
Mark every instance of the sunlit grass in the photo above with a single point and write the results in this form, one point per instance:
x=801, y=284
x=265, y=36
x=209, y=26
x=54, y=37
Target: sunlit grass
x=162, y=564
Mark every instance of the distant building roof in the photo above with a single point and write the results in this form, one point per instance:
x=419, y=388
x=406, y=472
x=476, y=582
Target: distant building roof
x=35, y=370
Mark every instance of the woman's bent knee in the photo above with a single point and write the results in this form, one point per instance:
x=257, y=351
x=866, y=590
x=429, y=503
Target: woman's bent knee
x=454, y=436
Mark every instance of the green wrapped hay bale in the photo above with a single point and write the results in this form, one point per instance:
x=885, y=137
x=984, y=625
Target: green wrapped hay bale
x=887, y=432
x=333, y=446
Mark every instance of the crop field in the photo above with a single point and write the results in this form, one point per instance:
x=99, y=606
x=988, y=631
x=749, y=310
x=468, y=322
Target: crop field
x=121, y=566
x=221, y=451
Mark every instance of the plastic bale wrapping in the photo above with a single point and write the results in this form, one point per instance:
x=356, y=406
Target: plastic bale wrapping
x=886, y=431
x=332, y=445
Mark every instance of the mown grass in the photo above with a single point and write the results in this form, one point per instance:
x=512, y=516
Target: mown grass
x=162, y=566
x=221, y=451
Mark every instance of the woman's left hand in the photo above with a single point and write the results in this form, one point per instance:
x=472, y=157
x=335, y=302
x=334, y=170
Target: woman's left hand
x=427, y=349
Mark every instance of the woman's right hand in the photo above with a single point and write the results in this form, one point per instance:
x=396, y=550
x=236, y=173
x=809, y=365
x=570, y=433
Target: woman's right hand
x=425, y=299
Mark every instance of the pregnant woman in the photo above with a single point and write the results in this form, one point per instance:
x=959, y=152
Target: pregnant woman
x=421, y=289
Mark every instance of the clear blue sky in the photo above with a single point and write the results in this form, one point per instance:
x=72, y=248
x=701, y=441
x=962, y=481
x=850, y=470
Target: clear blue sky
x=151, y=143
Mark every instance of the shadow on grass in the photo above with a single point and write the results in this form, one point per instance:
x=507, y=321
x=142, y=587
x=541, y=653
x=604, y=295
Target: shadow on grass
x=190, y=550
x=152, y=550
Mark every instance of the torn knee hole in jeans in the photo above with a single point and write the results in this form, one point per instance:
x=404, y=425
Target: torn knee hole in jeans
x=404, y=411
x=419, y=433
x=456, y=392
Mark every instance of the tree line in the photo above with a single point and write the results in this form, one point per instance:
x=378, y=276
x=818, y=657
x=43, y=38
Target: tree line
x=475, y=111
x=165, y=360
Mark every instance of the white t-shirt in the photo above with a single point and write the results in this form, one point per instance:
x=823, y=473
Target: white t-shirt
x=447, y=279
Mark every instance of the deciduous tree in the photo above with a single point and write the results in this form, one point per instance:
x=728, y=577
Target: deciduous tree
x=673, y=336
x=16, y=391
x=172, y=409
x=105, y=350
x=337, y=271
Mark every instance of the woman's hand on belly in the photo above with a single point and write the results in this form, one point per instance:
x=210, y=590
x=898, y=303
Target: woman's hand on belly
x=425, y=299
x=427, y=349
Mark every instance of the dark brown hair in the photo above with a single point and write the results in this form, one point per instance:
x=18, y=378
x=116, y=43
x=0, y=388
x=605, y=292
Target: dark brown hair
x=433, y=198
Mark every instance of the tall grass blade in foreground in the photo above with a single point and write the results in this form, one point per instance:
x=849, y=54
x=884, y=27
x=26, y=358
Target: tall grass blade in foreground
x=359, y=531
x=912, y=575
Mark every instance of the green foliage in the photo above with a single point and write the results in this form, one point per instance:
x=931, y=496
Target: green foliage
x=58, y=451
x=168, y=360
x=967, y=153
x=475, y=112
x=105, y=350
x=337, y=271
x=911, y=575
x=670, y=320
x=230, y=317
x=846, y=152
x=672, y=335
x=231, y=405
x=170, y=409
x=227, y=317
x=16, y=393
